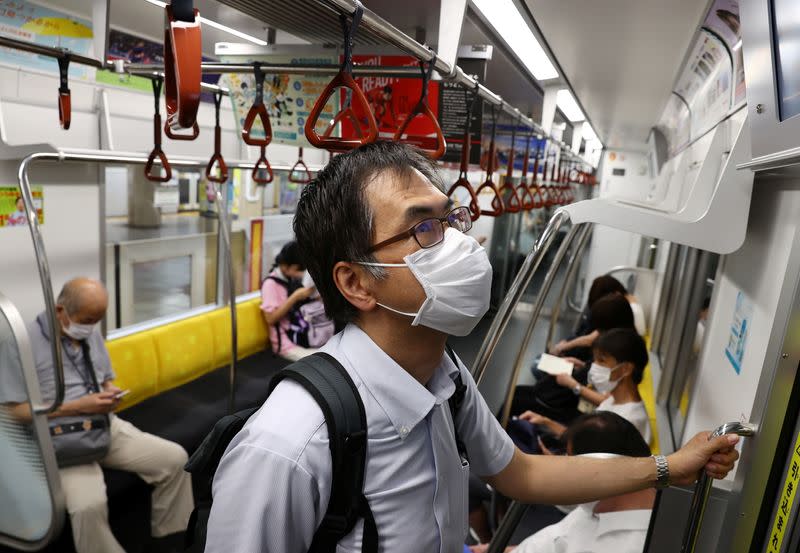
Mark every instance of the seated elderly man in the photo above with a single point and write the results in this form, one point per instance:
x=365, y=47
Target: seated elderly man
x=614, y=525
x=87, y=435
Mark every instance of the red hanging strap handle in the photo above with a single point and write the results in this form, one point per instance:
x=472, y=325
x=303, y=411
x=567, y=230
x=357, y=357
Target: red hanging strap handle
x=183, y=56
x=157, y=151
x=257, y=110
x=497, y=201
x=300, y=167
x=64, y=95
x=345, y=113
x=262, y=160
x=343, y=79
x=217, y=156
x=463, y=181
x=422, y=108
x=507, y=190
x=523, y=190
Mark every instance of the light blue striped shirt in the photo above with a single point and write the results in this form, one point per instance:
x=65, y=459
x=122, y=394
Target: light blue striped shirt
x=273, y=483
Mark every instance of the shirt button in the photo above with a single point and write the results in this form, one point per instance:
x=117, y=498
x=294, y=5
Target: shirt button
x=404, y=431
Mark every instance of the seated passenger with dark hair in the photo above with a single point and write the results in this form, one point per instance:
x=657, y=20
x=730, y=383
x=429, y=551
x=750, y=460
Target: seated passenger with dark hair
x=87, y=435
x=620, y=357
x=546, y=396
x=281, y=294
x=587, y=332
x=614, y=525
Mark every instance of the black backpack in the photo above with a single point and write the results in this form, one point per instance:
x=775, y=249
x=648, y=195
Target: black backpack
x=334, y=391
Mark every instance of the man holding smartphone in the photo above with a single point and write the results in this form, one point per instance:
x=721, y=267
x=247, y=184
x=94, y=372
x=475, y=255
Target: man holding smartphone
x=87, y=435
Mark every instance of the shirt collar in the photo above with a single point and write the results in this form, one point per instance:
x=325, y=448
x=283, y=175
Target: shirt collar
x=638, y=519
x=404, y=400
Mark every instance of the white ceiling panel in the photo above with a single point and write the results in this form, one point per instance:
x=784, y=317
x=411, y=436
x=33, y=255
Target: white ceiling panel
x=620, y=56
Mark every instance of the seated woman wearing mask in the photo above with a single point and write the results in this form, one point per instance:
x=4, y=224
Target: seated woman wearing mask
x=620, y=357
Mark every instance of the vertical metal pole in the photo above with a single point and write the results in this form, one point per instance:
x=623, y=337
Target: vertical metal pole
x=46, y=281
x=507, y=527
x=223, y=228
x=703, y=489
x=537, y=309
x=518, y=287
x=572, y=264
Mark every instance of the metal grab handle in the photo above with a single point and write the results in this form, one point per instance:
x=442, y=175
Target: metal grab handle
x=47, y=286
x=573, y=264
x=223, y=227
x=507, y=527
x=515, y=292
x=541, y=296
x=702, y=489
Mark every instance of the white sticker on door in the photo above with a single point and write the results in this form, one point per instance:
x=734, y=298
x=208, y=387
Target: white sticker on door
x=740, y=328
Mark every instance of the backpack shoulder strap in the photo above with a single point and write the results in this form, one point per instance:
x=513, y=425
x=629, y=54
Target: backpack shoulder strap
x=203, y=465
x=456, y=400
x=330, y=385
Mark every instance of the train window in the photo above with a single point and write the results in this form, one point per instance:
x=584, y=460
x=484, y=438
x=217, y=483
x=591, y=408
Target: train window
x=785, y=15
x=162, y=287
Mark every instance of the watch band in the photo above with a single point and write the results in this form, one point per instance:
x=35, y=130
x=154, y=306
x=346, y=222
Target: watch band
x=662, y=472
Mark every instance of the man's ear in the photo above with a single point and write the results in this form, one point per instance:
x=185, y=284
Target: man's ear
x=353, y=283
x=625, y=369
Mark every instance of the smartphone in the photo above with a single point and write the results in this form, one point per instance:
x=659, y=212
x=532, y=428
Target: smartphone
x=120, y=395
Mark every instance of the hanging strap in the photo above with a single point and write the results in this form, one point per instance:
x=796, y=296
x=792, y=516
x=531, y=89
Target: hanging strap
x=64, y=95
x=157, y=152
x=216, y=157
x=343, y=79
x=183, y=10
x=423, y=109
x=257, y=110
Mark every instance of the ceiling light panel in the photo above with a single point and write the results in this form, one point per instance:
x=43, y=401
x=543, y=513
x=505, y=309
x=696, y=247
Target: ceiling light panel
x=509, y=24
x=568, y=106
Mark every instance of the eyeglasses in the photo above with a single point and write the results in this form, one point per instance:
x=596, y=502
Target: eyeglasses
x=430, y=232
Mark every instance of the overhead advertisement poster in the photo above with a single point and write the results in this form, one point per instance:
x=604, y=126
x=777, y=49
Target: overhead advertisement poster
x=12, y=210
x=135, y=49
x=723, y=19
x=705, y=83
x=23, y=20
x=288, y=98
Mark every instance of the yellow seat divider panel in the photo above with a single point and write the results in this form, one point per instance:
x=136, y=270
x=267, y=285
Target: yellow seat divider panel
x=135, y=364
x=162, y=358
x=647, y=392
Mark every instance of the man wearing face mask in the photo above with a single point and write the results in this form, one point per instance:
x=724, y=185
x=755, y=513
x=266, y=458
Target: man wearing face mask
x=389, y=255
x=87, y=435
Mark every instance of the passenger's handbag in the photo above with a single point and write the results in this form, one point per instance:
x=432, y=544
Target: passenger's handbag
x=84, y=438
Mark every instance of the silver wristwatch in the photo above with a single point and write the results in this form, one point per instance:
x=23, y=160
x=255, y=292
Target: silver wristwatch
x=577, y=390
x=662, y=472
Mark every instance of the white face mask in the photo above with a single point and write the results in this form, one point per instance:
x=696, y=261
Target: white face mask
x=457, y=278
x=600, y=378
x=78, y=331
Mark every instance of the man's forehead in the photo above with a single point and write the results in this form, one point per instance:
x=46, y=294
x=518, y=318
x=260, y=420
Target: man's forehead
x=401, y=186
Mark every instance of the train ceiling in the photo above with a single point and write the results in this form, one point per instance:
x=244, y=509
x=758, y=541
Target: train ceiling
x=627, y=58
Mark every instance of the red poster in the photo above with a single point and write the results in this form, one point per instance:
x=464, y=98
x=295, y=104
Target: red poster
x=391, y=99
